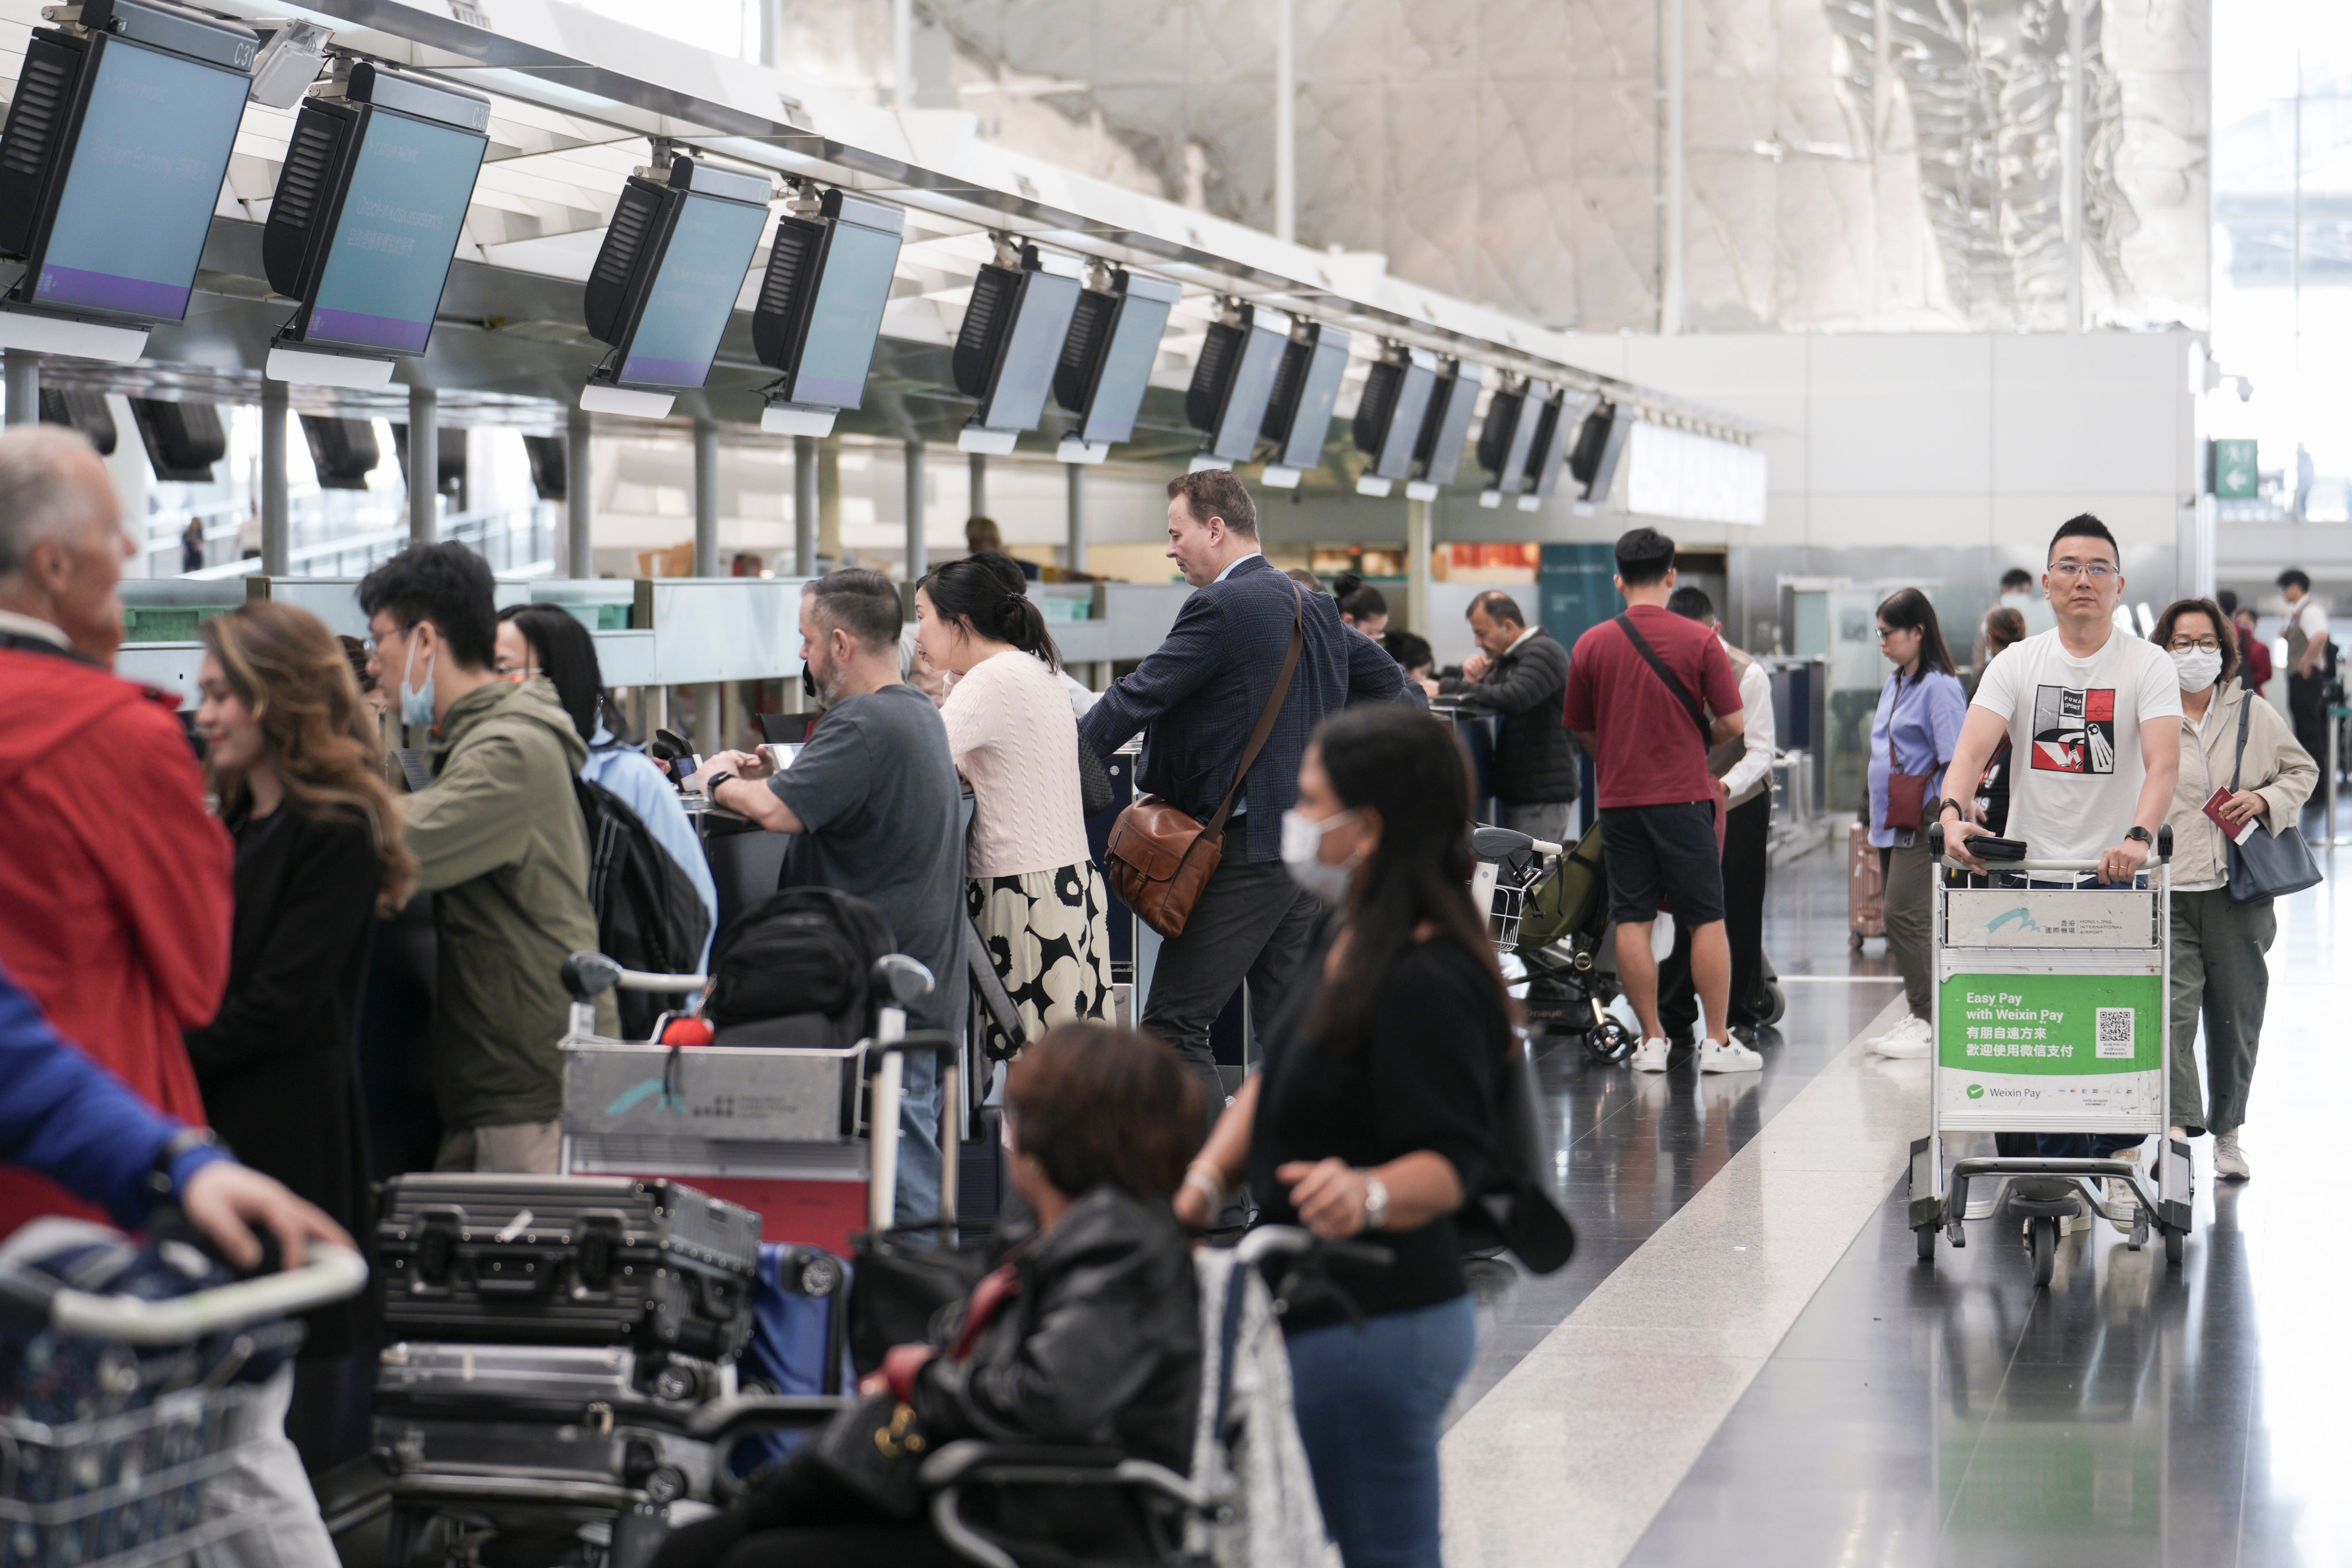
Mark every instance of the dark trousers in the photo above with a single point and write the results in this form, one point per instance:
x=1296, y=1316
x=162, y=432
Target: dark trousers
x=1744, y=864
x=1252, y=923
x=2306, y=704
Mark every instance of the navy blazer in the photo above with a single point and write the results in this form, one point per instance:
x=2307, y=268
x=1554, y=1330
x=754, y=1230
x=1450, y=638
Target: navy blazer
x=1199, y=695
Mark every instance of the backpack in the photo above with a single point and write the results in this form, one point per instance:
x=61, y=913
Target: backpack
x=649, y=915
x=1565, y=901
x=806, y=954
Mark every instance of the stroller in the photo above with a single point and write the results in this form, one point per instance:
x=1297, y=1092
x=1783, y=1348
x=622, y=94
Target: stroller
x=1546, y=909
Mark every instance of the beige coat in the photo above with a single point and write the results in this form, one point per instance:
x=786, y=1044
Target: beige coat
x=2276, y=768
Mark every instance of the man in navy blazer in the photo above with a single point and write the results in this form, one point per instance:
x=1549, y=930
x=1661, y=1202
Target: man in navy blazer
x=1196, y=700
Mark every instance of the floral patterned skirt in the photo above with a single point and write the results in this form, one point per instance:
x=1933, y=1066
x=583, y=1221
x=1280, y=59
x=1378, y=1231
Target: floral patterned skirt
x=1048, y=935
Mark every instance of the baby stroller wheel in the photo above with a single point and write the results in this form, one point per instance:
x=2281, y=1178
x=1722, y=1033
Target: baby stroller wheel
x=1610, y=1042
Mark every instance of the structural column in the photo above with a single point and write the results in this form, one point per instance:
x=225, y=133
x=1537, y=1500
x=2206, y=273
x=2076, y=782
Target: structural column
x=804, y=506
x=1074, y=482
x=709, y=698
x=1417, y=591
x=276, y=530
x=978, y=505
x=579, y=496
x=919, y=560
x=423, y=465
x=23, y=387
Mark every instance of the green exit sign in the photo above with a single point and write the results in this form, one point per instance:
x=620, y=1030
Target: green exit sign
x=2234, y=471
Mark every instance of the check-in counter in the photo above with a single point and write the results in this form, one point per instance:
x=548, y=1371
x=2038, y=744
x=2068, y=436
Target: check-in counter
x=162, y=622
x=618, y=615
x=721, y=628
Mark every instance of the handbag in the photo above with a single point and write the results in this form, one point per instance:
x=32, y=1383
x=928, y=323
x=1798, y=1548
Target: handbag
x=874, y=1449
x=896, y=1288
x=1515, y=1207
x=2267, y=864
x=1160, y=856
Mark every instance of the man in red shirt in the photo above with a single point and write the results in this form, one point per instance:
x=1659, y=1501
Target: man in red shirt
x=115, y=883
x=1640, y=691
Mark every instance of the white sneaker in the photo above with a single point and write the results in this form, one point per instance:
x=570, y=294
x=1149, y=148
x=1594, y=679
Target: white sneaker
x=1728, y=1055
x=1911, y=1038
x=1650, y=1056
x=2229, y=1159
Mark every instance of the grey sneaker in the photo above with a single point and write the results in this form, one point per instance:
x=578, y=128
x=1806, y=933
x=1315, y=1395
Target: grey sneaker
x=2229, y=1159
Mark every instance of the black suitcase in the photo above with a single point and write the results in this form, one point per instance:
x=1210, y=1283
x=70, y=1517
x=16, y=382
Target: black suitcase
x=581, y=1260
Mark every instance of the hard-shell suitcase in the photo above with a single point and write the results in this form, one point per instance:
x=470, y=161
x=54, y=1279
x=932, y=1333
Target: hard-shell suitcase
x=580, y=1261
x=1866, y=887
x=799, y=1339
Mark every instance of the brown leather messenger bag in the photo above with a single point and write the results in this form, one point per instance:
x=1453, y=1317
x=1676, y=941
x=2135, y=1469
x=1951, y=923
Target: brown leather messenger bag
x=1160, y=857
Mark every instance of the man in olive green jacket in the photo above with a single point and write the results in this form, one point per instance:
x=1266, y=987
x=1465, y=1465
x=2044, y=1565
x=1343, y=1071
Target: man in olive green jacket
x=500, y=839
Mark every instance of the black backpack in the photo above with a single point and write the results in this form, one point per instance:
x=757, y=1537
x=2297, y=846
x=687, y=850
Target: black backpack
x=649, y=915
x=801, y=961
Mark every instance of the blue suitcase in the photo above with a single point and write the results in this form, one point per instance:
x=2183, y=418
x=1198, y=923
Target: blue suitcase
x=799, y=1339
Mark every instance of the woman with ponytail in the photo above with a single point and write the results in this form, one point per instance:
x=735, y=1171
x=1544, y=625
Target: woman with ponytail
x=1361, y=605
x=296, y=770
x=1034, y=891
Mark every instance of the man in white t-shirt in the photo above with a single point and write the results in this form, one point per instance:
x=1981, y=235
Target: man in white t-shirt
x=2309, y=662
x=2093, y=717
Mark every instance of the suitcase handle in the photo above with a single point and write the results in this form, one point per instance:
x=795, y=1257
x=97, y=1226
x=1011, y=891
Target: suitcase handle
x=490, y=1278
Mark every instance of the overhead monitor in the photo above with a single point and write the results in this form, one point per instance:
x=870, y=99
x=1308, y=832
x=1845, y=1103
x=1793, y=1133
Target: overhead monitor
x=369, y=208
x=184, y=440
x=1298, y=410
x=1107, y=357
x=819, y=306
x=1599, y=440
x=666, y=277
x=1009, y=345
x=111, y=161
x=84, y=411
x=1232, y=381
x=343, y=452
x=1446, y=427
x=1510, y=430
x=1555, y=423
x=1389, y=417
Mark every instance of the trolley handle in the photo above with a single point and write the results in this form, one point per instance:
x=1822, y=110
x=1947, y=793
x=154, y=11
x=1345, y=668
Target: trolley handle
x=2163, y=854
x=590, y=974
x=333, y=1274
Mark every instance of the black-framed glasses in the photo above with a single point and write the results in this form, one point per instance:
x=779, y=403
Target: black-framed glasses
x=2186, y=645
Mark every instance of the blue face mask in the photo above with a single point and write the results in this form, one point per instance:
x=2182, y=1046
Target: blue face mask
x=417, y=706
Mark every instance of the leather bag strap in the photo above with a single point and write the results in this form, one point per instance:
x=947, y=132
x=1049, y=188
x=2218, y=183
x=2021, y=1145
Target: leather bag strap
x=2245, y=717
x=1273, y=711
x=1673, y=683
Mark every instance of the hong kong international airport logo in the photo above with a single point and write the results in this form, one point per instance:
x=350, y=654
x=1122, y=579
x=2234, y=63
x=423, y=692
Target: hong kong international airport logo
x=2021, y=917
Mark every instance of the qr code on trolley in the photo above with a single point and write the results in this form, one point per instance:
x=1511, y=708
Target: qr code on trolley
x=2116, y=1033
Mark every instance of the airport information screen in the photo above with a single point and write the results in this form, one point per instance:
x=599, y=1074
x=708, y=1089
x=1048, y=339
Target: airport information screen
x=145, y=176
x=846, y=316
x=389, y=257
x=1126, y=369
x=701, y=274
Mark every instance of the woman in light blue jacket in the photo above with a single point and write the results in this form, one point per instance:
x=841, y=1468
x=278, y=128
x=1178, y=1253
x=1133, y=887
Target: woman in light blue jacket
x=547, y=640
x=1914, y=731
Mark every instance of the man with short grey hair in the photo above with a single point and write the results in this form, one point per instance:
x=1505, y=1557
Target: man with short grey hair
x=114, y=889
x=1520, y=674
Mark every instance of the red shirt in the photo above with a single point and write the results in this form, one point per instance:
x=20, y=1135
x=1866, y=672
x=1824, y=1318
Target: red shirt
x=114, y=885
x=1649, y=754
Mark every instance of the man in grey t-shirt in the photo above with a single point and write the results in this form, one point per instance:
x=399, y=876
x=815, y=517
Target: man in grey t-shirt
x=874, y=801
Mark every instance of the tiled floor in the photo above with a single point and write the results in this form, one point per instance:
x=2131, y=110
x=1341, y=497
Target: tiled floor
x=1738, y=1383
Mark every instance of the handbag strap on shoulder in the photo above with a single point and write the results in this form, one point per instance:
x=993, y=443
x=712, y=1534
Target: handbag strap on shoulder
x=1273, y=711
x=1673, y=683
x=2245, y=718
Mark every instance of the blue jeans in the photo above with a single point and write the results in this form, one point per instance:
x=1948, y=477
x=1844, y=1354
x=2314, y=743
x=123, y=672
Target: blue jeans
x=1369, y=1401
x=918, y=1142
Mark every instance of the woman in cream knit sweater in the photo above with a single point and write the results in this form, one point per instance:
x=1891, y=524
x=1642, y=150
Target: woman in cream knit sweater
x=1034, y=891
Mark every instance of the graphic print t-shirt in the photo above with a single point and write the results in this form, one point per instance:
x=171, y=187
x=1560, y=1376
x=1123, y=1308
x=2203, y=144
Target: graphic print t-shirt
x=2073, y=735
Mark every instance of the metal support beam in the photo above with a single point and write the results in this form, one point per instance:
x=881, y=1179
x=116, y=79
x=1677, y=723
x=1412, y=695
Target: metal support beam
x=710, y=700
x=804, y=506
x=24, y=376
x=1073, y=483
x=277, y=526
x=919, y=557
x=1417, y=590
x=423, y=465
x=579, y=495
x=978, y=505
x=1285, y=120
x=2070, y=177
x=902, y=53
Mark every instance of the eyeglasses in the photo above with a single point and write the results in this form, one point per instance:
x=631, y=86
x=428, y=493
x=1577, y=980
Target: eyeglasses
x=1885, y=632
x=2098, y=572
x=2188, y=644
x=506, y=671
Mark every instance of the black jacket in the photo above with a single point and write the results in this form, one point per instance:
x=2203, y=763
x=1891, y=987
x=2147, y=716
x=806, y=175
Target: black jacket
x=278, y=1065
x=1535, y=757
x=1101, y=1348
x=1197, y=697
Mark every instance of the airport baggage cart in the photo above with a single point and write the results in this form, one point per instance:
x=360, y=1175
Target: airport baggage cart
x=2051, y=1015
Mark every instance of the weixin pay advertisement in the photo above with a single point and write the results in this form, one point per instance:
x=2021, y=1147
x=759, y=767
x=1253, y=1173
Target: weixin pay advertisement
x=2049, y=1052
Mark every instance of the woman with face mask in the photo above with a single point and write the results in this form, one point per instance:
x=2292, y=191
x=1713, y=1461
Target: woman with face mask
x=2218, y=943
x=1371, y=1114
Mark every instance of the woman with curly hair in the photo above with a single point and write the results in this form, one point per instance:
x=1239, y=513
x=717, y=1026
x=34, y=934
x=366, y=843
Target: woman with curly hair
x=296, y=771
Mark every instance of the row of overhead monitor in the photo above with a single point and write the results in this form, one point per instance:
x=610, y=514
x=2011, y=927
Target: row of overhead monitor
x=118, y=138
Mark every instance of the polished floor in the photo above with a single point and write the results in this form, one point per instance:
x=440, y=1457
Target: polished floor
x=1746, y=1364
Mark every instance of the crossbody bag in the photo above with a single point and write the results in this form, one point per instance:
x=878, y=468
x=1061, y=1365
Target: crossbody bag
x=1160, y=856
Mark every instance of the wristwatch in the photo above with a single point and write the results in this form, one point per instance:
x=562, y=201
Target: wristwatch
x=159, y=1174
x=710, y=786
x=2143, y=835
x=1376, y=1202
x=1954, y=805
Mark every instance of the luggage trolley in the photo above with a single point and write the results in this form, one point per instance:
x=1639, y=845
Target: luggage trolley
x=2051, y=1015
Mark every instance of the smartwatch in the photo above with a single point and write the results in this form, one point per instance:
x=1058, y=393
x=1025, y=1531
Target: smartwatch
x=2142, y=835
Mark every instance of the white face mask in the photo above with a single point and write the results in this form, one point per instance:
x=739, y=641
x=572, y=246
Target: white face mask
x=2199, y=667
x=1302, y=854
